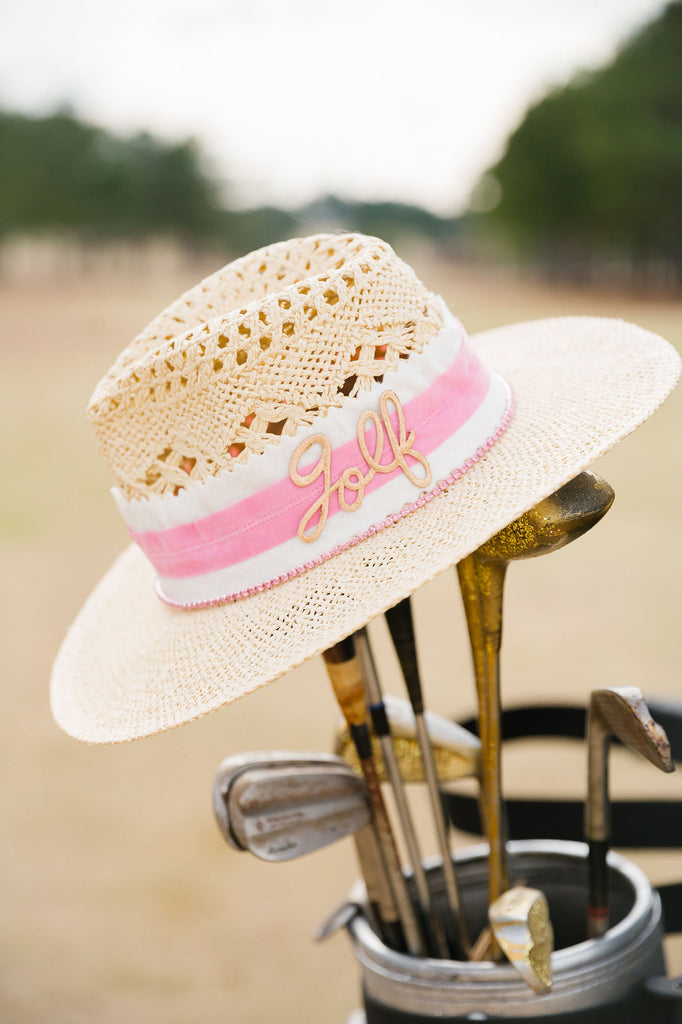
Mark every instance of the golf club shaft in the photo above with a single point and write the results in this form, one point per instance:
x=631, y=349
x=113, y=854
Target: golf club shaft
x=449, y=876
x=492, y=774
x=482, y=585
x=382, y=729
x=400, y=624
x=383, y=913
x=346, y=679
x=413, y=936
x=598, y=829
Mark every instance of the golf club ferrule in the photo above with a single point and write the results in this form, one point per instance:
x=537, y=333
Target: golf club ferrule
x=341, y=652
x=346, y=679
x=598, y=910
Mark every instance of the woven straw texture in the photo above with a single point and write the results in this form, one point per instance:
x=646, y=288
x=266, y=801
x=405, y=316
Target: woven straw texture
x=132, y=666
x=254, y=352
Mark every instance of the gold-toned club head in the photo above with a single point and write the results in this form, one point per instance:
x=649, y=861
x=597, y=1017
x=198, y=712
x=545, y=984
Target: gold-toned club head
x=521, y=924
x=450, y=766
x=553, y=522
x=457, y=752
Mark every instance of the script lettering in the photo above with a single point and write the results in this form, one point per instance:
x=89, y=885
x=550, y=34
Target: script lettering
x=354, y=480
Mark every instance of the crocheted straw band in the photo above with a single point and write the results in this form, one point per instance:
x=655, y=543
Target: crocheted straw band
x=132, y=665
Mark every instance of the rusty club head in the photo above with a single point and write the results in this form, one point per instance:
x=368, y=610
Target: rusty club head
x=623, y=713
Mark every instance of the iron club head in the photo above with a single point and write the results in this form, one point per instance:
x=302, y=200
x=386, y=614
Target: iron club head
x=280, y=807
x=620, y=712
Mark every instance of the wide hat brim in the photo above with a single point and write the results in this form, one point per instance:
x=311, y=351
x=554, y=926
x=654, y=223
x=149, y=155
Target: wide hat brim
x=132, y=666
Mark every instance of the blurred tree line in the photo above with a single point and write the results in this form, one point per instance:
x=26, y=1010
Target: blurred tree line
x=594, y=171
x=590, y=179
x=58, y=173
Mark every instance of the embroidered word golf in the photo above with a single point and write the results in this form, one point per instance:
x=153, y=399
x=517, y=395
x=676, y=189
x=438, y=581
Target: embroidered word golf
x=238, y=533
x=353, y=478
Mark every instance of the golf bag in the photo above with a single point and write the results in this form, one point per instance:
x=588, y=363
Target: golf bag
x=618, y=979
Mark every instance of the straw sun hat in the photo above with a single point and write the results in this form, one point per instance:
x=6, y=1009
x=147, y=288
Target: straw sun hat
x=301, y=441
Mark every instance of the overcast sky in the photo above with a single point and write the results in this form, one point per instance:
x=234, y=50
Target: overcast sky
x=374, y=99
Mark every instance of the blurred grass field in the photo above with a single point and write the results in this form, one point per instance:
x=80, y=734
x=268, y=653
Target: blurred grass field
x=121, y=902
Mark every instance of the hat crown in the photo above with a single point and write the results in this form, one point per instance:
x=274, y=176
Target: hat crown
x=256, y=352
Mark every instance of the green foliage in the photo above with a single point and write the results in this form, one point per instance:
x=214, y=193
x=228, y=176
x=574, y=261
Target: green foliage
x=597, y=166
x=57, y=172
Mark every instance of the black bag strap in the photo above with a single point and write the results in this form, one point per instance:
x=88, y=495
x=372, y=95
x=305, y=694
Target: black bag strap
x=650, y=824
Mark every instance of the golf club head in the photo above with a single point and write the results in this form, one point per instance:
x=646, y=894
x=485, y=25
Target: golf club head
x=554, y=522
x=282, y=810
x=231, y=767
x=520, y=922
x=457, y=751
x=623, y=712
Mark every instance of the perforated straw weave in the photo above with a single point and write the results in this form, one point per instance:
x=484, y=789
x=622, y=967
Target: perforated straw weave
x=131, y=665
x=283, y=334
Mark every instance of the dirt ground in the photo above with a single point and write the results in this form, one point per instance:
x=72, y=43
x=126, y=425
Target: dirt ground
x=121, y=902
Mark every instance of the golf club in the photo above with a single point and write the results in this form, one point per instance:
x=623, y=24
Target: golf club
x=621, y=712
x=282, y=812
x=382, y=730
x=399, y=619
x=261, y=807
x=345, y=676
x=233, y=766
x=520, y=922
x=456, y=751
x=551, y=524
